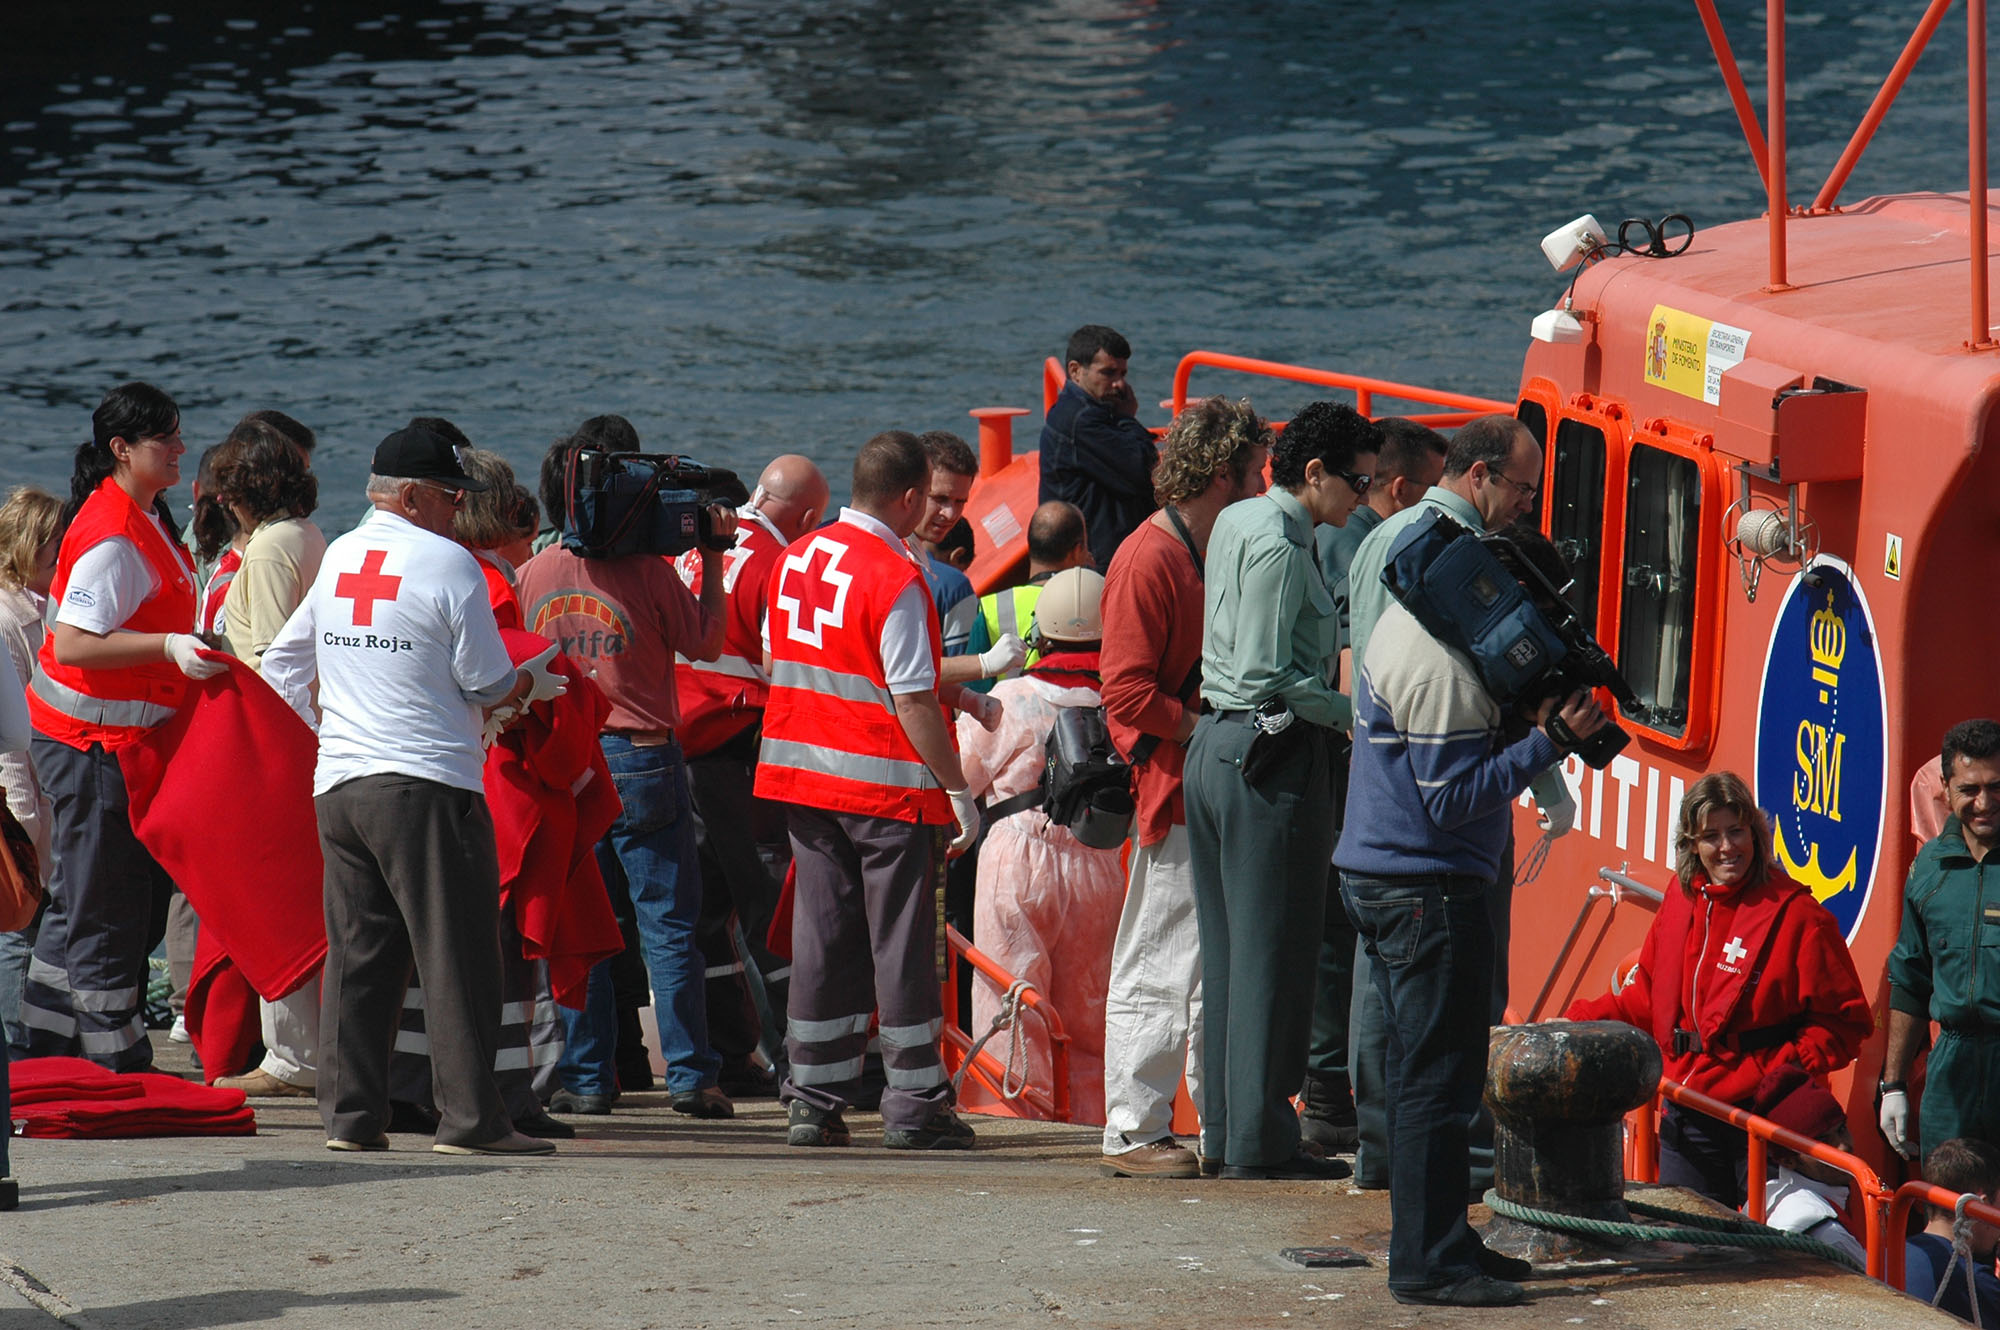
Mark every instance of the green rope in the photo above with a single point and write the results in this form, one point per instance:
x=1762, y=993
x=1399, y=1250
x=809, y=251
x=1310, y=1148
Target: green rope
x=1692, y=1229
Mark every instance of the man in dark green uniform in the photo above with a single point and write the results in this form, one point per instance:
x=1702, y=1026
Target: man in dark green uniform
x=1951, y=915
x=1259, y=797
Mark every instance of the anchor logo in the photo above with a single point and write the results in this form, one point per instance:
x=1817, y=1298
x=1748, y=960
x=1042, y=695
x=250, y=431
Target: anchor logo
x=1821, y=740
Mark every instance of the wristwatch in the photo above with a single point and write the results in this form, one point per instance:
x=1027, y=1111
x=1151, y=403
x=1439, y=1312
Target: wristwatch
x=1890, y=1087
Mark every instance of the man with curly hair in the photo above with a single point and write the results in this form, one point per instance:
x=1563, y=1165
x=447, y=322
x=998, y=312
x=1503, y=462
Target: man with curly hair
x=1151, y=668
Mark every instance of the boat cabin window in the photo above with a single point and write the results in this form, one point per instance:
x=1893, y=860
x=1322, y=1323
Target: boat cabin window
x=1531, y=414
x=1656, y=623
x=1576, y=510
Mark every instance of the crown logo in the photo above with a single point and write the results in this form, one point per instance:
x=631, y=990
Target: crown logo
x=1829, y=647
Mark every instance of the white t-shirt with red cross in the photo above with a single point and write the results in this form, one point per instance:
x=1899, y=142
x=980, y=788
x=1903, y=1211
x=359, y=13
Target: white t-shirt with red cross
x=400, y=634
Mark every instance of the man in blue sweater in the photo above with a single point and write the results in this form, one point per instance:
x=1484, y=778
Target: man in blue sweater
x=1429, y=806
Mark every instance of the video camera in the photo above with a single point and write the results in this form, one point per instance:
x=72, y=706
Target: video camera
x=638, y=503
x=1465, y=595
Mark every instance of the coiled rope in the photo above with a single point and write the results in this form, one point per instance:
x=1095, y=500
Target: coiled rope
x=1961, y=1253
x=1012, y=1075
x=1691, y=1229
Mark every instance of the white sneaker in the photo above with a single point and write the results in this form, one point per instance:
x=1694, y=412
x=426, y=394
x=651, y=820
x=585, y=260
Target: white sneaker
x=179, y=1034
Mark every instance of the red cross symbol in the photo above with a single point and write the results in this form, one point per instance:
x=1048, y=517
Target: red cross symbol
x=827, y=586
x=366, y=587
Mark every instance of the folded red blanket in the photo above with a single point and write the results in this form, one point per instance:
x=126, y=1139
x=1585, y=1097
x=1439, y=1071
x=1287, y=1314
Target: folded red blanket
x=75, y=1099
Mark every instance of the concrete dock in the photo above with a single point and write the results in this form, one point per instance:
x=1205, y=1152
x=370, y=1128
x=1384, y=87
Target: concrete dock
x=650, y=1219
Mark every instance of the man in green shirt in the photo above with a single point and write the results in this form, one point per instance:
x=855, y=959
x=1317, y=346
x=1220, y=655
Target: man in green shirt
x=1411, y=462
x=1492, y=477
x=1259, y=789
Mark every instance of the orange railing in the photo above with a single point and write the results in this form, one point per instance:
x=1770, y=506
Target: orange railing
x=1869, y=1193
x=1051, y=1104
x=1618, y=888
x=1463, y=406
x=1909, y=1195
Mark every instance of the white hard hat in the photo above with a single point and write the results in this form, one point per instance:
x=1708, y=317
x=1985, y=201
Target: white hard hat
x=1069, y=608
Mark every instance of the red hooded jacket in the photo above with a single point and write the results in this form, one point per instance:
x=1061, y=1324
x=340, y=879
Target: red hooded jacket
x=1758, y=975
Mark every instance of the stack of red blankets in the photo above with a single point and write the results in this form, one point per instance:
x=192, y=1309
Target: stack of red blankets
x=70, y=1098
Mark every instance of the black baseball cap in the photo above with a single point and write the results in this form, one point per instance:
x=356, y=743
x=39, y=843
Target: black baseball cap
x=418, y=453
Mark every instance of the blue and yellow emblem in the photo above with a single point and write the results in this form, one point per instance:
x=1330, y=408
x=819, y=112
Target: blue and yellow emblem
x=1821, y=739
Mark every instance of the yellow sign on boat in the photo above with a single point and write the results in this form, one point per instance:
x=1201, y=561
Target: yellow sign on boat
x=1687, y=354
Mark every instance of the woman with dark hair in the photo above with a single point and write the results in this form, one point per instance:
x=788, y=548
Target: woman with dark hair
x=1259, y=789
x=217, y=542
x=116, y=663
x=1742, y=973
x=261, y=476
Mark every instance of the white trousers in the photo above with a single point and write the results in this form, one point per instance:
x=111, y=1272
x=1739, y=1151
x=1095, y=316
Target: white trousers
x=291, y=1035
x=1152, y=1012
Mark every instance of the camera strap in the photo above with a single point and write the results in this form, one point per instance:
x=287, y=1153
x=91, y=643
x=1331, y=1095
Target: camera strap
x=1181, y=530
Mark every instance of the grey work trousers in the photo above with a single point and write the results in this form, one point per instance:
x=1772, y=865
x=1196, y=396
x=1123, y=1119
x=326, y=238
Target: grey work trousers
x=864, y=933
x=412, y=885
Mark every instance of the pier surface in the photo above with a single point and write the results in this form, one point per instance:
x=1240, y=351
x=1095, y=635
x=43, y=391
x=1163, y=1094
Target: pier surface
x=651, y=1219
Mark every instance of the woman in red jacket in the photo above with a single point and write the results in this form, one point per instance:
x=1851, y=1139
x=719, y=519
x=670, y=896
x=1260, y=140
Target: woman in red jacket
x=1742, y=972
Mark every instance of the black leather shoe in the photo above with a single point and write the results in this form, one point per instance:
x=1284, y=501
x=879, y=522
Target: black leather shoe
x=1496, y=1266
x=707, y=1102
x=747, y=1079
x=406, y=1118
x=543, y=1127
x=1299, y=1168
x=571, y=1103
x=1471, y=1291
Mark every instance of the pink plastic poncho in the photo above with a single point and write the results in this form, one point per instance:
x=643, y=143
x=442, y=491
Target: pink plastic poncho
x=1047, y=905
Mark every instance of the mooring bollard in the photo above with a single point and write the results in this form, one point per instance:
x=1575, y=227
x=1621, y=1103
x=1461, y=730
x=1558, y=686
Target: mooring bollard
x=1559, y=1092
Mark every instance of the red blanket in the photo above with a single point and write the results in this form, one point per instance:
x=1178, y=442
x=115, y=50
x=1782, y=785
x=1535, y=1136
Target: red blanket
x=222, y=796
x=222, y=1017
x=69, y=1097
x=552, y=800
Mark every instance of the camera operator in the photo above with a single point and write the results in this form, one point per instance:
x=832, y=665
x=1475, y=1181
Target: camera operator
x=623, y=618
x=1491, y=473
x=1435, y=772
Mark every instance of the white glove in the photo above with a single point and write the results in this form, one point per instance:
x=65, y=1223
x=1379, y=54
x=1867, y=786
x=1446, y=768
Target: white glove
x=982, y=707
x=1006, y=654
x=967, y=813
x=1896, y=1122
x=1560, y=819
x=497, y=723
x=547, y=683
x=184, y=650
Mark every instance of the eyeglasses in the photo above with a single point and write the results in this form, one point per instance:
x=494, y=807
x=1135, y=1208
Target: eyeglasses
x=1527, y=491
x=1359, y=481
x=457, y=494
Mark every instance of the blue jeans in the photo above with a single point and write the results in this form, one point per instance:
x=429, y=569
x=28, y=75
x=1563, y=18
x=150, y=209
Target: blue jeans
x=15, y=951
x=1431, y=948
x=590, y=1038
x=650, y=853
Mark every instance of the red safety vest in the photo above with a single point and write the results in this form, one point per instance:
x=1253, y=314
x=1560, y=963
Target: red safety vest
x=112, y=707
x=721, y=698
x=831, y=737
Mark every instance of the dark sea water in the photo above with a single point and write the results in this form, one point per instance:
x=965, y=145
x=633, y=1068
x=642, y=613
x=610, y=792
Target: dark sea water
x=766, y=226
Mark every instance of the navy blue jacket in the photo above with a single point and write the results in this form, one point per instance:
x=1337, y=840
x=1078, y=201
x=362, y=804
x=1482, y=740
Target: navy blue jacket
x=1102, y=462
